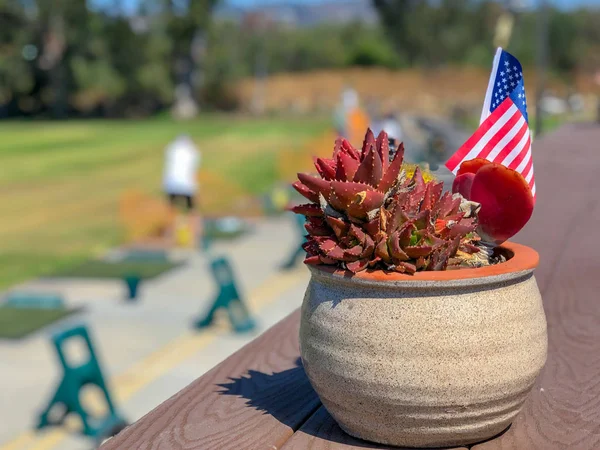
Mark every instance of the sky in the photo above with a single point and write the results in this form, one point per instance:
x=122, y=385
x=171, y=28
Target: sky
x=130, y=5
x=559, y=3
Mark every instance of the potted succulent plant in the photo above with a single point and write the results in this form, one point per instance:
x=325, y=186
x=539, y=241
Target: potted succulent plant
x=421, y=326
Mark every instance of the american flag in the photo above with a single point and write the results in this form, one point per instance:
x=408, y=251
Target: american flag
x=503, y=134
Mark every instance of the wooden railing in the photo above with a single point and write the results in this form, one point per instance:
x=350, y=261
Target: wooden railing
x=260, y=398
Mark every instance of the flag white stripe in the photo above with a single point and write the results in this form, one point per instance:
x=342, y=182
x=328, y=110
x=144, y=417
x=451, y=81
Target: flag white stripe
x=529, y=175
x=506, y=139
x=485, y=112
x=525, y=161
x=517, y=150
x=474, y=153
x=533, y=189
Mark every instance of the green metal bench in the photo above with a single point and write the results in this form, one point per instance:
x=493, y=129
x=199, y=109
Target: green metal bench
x=228, y=298
x=37, y=300
x=132, y=282
x=67, y=393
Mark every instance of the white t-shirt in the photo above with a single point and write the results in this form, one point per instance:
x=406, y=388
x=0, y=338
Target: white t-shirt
x=392, y=128
x=182, y=160
x=349, y=100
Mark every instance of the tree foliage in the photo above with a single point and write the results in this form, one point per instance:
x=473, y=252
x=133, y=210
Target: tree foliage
x=61, y=57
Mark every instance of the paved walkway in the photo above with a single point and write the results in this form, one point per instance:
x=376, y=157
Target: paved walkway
x=148, y=350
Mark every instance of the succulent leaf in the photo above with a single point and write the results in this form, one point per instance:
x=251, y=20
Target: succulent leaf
x=346, y=147
x=383, y=148
x=418, y=251
x=305, y=192
x=346, y=167
x=462, y=184
x=339, y=227
x=314, y=260
x=423, y=220
x=370, y=169
x=364, y=213
x=506, y=202
x=382, y=250
x=418, y=182
x=325, y=168
x=398, y=218
x=405, y=267
x=358, y=266
x=368, y=143
x=316, y=226
x=315, y=184
x=308, y=209
x=472, y=166
x=432, y=195
x=395, y=248
x=392, y=173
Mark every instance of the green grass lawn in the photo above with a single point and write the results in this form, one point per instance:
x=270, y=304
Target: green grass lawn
x=61, y=182
x=16, y=323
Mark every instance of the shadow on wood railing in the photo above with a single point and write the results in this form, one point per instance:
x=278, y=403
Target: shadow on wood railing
x=277, y=394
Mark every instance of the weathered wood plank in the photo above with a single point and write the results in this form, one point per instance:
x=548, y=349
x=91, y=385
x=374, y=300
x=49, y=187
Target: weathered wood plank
x=255, y=399
x=261, y=408
x=321, y=432
x=563, y=411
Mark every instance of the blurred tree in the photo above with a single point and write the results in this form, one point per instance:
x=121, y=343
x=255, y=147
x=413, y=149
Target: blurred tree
x=187, y=25
x=61, y=27
x=445, y=31
x=60, y=57
x=16, y=54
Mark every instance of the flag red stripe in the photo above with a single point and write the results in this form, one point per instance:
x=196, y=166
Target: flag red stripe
x=527, y=169
x=488, y=123
x=512, y=144
x=515, y=163
x=460, y=154
x=500, y=134
x=500, y=137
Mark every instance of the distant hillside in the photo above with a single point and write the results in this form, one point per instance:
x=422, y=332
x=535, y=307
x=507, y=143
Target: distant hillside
x=430, y=92
x=305, y=15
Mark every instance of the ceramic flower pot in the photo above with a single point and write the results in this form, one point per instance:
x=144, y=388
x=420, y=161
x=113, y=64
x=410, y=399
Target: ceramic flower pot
x=428, y=360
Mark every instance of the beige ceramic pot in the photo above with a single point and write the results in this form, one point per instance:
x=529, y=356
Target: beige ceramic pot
x=429, y=360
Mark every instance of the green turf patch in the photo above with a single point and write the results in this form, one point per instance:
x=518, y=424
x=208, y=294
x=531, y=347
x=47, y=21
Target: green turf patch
x=16, y=323
x=104, y=269
x=20, y=266
x=225, y=228
x=224, y=235
x=146, y=256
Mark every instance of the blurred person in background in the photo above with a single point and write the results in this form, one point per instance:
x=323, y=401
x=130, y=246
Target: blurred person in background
x=182, y=160
x=351, y=121
x=348, y=102
x=391, y=125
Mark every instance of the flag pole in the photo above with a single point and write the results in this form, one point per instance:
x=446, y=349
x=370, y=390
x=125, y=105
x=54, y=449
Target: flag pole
x=485, y=112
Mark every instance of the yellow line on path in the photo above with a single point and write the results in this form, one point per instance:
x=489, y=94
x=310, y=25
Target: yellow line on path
x=159, y=363
x=142, y=373
x=21, y=441
x=50, y=440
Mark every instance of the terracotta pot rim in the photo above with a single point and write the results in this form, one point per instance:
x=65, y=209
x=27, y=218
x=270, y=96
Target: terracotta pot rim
x=524, y=259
